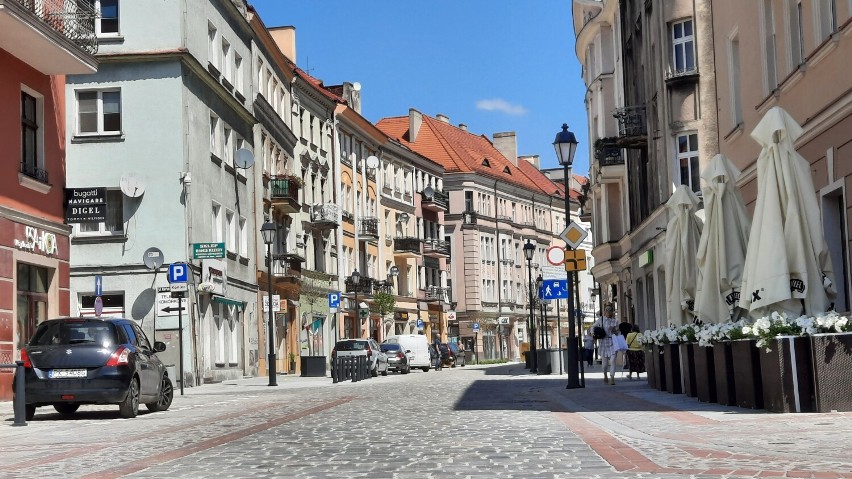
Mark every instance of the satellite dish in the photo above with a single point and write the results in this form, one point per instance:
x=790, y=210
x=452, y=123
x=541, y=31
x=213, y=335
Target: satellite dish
x=244, y=159
x=132, y=186
x=372, y=162
x=153, y=258
x=429, y=192
x=356, y=86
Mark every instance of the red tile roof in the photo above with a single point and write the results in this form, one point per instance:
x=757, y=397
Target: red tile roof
x=459, y=151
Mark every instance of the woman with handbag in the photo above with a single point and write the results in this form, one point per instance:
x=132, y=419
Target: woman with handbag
x=635, y=355
x=606, y=348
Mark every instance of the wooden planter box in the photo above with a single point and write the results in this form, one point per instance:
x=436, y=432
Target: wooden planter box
x=723, y=363
x=651, y=373
x=832, y=363
x=659, y=361
x=672, y=361
x=687, y=369
x=786, y=373
x=705, y=373
x=749, y=388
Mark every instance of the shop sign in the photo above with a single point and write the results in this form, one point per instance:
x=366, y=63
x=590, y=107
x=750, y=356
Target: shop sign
x=36, y=241
x=85, y=205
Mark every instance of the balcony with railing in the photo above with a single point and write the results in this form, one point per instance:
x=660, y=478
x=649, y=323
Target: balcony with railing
x=368, y=228
x=286, y=272
x=33, y=172
x=437, y=293
x=436, y=248
x=53, y=36
x=363, y=286
x=406, y=246
x=438, y=201
x=324, y=216
x=607, y=152
x=284, y=194
x=469, y=218
x=632, y=126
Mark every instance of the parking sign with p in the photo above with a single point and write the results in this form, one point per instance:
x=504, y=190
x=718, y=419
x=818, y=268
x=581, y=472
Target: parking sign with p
x=178, y=273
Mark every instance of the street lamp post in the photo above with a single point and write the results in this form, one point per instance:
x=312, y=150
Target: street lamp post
x=542, y=324
x=529, y=251
x=268, y=233
x=565, y=145
x=355, y=278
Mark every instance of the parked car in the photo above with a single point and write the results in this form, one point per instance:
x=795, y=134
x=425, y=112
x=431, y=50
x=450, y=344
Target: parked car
x=458, y=354
x=376, y=359
x=397, y=357
x=74, y=361
x=417, y=347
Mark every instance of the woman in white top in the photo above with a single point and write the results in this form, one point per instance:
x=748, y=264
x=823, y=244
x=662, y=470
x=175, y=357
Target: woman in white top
x=605, y=347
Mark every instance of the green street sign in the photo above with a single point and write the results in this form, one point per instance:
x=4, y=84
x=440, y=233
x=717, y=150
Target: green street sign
x=363, y=313
x=208, y=250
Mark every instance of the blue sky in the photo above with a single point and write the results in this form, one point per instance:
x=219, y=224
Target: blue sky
x=495, y=65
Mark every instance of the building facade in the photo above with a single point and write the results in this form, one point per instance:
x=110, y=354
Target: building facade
x=39, y=44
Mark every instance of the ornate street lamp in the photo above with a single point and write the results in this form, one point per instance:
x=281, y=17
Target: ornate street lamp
x=529, y=251
x=355, y=278
x=542, y=316
x=268, y=233
x=565, y=145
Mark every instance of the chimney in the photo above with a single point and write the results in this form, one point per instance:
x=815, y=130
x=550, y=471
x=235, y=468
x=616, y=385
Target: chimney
x=532, y=159
x=442, y=117
x=415, y=119
x=285, y=39
x=507, y=145
x=462, y=127
x=352, y=95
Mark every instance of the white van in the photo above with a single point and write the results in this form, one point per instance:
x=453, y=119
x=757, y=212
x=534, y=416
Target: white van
x=416, y=347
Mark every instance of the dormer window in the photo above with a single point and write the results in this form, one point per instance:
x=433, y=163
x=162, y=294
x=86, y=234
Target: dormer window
x=507, y=170
x=485, y=162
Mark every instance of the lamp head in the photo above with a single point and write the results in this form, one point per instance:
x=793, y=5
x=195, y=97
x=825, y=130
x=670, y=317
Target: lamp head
x=565, y=145
x=268, y=232
x=539, y=281
x=529, y=250
x=393, y=271
x=355, y=276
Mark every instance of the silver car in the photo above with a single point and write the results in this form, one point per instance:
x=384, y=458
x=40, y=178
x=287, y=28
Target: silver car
x=376, y=359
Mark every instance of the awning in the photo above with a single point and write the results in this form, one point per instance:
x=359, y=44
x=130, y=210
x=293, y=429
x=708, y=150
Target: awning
x=229, y=302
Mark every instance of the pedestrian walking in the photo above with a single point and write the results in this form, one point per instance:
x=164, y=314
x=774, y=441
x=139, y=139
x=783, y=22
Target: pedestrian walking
x=605, y=347
x=635, y=355
x=436, y=354
x=624, y=329
x=588, y=346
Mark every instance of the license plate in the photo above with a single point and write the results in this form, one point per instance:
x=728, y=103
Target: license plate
x=66, y=373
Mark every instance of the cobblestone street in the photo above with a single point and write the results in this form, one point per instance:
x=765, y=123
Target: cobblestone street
x=476, y=422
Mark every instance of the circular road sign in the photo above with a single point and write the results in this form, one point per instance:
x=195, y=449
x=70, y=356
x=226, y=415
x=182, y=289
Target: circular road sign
x=556, y=255
x=153, y=258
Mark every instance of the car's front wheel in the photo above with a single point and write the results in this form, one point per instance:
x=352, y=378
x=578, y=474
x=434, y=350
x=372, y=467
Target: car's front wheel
x=164, y=400
x=66, y=408
x=129, y=408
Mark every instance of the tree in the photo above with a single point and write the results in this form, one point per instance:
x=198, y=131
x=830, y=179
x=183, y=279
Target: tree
x=384, y=303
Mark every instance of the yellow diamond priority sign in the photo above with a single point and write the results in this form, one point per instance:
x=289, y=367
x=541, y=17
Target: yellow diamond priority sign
x=573, y=235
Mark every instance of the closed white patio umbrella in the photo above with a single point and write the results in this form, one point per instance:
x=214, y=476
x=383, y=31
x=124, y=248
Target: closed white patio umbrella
x=788, y=267
x=682, y=235
x=722, y=248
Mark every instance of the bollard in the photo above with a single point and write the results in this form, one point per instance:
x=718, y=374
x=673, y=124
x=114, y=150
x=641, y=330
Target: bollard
x=353, y=369
x=20, y=401
x=334, y=371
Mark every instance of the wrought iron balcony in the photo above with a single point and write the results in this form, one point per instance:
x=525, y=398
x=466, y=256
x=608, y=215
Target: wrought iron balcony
x=437, y=293
x=469, y=218
x=607, y=152
x=434, y=247
x=286, y=271
x=324, y=216
x=74, y=20
x=284, y=194
x=439, y=201
x=368, y=228
x=632, y=126
x=406, y=246
x=364, y=285
x=34, y=173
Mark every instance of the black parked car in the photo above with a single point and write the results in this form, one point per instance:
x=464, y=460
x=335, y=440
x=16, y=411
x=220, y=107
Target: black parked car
x=74, y=361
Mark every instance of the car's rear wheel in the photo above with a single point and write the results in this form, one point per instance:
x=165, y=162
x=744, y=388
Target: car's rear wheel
x=129, y=408
x=425, y=370
x=375, y=371
x=164, y=400
x=66, y=408
x=30, y=412
x=406, y=370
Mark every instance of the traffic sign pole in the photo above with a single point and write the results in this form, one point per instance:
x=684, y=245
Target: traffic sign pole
x=180, y=340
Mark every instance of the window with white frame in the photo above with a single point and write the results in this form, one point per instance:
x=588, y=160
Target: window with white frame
x=231, y=228
x=98, y=112
x=228, y=146
x=683, y=47
x=734, y=81
x=227, y=71
x=217, y=223
x=106, y=24
x=212, y=47
x=238, y=72
x=32, y=135
x=769, y=44
x=796, y=30
x=114, y=223
x=243, y=238
x=687, y=159
x=214, y=136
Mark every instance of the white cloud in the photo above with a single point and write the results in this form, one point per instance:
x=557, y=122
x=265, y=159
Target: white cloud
x=499, y=104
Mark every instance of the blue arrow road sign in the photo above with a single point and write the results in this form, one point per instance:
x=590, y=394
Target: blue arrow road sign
x=99, y=285
x=178, y=273
x=553, y=289
x=334, y=300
